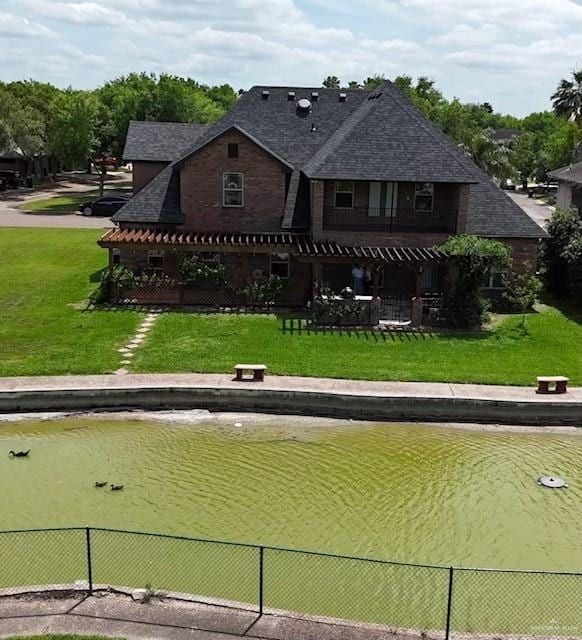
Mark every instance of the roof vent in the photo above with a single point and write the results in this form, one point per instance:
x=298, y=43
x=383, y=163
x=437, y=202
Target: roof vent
x=315, y=96
x=313, y=127
x=303, y=105
x=291, y=96
x=265, y=94
x=343, y=96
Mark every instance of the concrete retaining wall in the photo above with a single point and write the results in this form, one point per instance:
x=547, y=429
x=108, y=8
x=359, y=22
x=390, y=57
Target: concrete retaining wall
x=294, y=402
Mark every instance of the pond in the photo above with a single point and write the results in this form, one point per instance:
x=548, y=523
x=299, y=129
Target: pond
x=413, y=493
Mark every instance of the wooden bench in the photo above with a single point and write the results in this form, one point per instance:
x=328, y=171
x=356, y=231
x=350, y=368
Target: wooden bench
x=257, y=369
x=560, y=382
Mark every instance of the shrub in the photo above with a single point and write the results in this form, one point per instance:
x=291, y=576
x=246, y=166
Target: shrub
x=523, y=291
x=562, y=253
x=330, y=308
x=192, y=269
x=473, y=258
x=263, y=293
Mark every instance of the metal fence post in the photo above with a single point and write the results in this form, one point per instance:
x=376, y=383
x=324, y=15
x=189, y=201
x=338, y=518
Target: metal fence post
x=449, y=603
x=89, y=562
x=261, y=578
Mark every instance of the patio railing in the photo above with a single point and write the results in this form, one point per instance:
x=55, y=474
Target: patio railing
x=390, y=220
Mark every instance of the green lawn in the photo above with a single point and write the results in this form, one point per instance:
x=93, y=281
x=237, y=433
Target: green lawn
x=70, y=203
x=46, y=277
x=505, y=354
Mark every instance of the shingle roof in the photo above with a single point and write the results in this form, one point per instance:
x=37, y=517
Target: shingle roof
x=157, y=203
x=160, y=141
x=571, y=173
x=389, y=139
x=377, y=135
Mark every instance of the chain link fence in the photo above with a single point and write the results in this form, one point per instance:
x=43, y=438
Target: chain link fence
x=439, y=602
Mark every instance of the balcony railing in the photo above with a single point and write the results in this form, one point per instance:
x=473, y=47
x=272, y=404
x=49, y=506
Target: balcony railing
x=390, y=220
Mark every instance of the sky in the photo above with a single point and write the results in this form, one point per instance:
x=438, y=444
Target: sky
x=511, y=53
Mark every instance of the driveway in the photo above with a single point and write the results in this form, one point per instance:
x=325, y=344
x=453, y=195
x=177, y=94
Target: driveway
x=12, y=216
x=537, y=211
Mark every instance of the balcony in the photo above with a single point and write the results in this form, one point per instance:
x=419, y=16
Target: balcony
x=390, y=220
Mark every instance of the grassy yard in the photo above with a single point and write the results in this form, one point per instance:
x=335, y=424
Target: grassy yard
x=70, y=202
x=505, y=354
x=58, y=204
x=46, y=276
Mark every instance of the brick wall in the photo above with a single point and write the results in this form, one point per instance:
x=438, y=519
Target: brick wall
x=525, y=253
x=201, y=182
x=145, y=172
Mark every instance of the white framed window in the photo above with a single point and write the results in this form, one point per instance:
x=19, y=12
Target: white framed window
x=233, y=189
x=280, y=265
x=156, y=261
x=344, y=194
x=496, y=278
x=423, y=197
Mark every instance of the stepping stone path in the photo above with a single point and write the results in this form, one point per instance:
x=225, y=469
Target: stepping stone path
x=128, y=351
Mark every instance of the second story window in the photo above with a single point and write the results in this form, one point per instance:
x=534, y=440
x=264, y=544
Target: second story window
x=232, y=150
x=233, y=186
x=344, y=195
x=423, y=196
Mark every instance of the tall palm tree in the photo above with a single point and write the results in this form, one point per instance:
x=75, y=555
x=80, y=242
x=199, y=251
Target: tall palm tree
x=567, y=100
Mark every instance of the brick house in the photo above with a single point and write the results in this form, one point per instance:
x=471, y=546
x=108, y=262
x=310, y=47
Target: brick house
x=308, y=184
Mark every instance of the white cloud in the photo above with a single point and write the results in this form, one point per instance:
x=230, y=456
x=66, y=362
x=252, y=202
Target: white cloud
x=12, y=26
x=78, y=12
x=466, y=35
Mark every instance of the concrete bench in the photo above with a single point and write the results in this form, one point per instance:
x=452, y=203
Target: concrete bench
x=257, y=369
x=560, y=382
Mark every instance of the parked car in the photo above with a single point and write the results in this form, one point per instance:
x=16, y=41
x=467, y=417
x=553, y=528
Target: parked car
x=108, y=161
x=106, y=206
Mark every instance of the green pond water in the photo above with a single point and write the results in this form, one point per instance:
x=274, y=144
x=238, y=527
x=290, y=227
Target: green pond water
x=399, y=492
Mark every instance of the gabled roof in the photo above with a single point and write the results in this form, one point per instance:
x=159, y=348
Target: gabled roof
x=215, y=132
x=572, y=173
x=160, y=141
x=350, y=134
x=389, y=139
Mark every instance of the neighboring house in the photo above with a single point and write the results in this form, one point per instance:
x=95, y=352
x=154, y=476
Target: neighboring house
x=40, y=166
x=569, y=186
x=505, y=136
x=151, y=146
x=306, y=184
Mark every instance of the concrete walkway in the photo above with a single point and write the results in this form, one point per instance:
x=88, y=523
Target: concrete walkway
x=116, y=615
x=356, y=399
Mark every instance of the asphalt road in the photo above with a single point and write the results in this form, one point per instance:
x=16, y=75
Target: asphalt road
x=537, y=211
x=12, y=216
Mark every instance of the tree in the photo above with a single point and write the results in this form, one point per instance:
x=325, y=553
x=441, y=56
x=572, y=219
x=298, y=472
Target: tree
x=472, y=259
x=490, y=155
x=567, y=99
x=331, y=82
x=523, y=157
x=354, y=84
x=22, y=126
x=373, y=82
x=73, y=119
x=523, y=290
